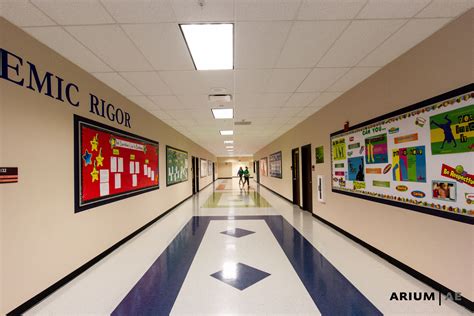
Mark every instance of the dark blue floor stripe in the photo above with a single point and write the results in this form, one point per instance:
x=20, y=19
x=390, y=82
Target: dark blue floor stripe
x=330, y=290
x=156, y=292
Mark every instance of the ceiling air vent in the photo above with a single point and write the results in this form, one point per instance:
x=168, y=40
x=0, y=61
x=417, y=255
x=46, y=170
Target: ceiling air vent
x=243, y=122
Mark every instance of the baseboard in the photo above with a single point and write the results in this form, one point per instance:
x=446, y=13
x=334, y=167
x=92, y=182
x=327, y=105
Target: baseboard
x=206, y=186
x=68, y=278
x=290, y=201
x=414, y=273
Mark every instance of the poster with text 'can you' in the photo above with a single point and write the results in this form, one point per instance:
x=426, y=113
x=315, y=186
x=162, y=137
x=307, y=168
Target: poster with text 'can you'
x=112, y=164
x=419, y=158
x=176, y=165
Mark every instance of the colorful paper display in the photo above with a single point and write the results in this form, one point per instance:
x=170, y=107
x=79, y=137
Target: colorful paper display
x=107, y=164
x=263, y=166
x=421, y=157
x=176, y=165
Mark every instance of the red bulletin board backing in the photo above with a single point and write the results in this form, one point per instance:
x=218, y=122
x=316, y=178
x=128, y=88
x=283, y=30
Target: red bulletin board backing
x=111, y=164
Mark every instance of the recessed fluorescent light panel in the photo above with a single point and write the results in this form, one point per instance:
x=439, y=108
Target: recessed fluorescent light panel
x=229, y=132
x=229, y=147
x=220, y=114
x=228, y=142
x=211, y=45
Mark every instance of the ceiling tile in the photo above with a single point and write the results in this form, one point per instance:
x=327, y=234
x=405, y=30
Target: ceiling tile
x=115, y=81
x=140, y=11
x=352, y=78
x=143, y=102
x=324, y=99
x=446, y=8
x=166, y=102
x=59, y=40
x=161, y=114
x=212, y=11
x=147, y=82
x=408, y=36
x=330, y=9
x=359, y=39
x=260, y=100
x=23, y=13
x=301, y=99
x=308, y=41
x=391, y=9
x=117, y=49
x=198, y=82
x=258, y=44
x=162, y=44
x=286, y=80
x=266, y=10
x=195, y=101
x=75, y=12
x=321, y=78
x=251, y=80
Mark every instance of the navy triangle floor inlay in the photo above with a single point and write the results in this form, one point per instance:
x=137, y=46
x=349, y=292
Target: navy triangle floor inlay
x=240, y=275
x=237, y=232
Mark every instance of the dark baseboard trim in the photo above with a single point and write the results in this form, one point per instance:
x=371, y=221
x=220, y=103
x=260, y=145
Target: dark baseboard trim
x=206, y=186
x=288, y=200
x=68, y=278
x=414, y=273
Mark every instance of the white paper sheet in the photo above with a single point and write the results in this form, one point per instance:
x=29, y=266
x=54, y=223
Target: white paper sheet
x=113, y=164
x=132, y=167
x=137, y=167
x=104, y=175
x=134, y=180
x=104, y=189
x=118, y=180
x=153, y=175
x=145, y=170
x=149, y=172
x=120, y=164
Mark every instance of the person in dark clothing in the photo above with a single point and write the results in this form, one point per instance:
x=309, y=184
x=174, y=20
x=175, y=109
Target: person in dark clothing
x=240, y=173
x=247, y=177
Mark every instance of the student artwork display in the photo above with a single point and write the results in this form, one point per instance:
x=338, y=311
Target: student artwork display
x=263, y=167
x=319, y=153
x=176, y=166
x=419, y=158
x=111, y=164
x=209, y=168
x=204, y=167
x=275, y=165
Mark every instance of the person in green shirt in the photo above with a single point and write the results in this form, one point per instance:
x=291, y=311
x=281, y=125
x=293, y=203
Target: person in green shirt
x=247, y=177
x=240, y=173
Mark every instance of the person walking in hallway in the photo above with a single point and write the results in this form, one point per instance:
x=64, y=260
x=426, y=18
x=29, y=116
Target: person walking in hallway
x=247, y=177
x=240, y=173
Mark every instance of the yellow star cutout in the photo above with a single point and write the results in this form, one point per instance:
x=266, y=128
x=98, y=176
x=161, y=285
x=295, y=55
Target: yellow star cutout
x=95, y=174
x=94, y=142
x=100, y=159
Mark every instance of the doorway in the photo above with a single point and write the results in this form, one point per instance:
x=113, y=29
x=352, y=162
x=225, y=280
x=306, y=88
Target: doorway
x=213, y=172
x=306, y=177
x=295, y=173
x=257, y=170
x=195, y=171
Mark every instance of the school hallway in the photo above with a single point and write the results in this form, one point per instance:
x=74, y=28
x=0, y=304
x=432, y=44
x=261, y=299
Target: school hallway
x=228, y=251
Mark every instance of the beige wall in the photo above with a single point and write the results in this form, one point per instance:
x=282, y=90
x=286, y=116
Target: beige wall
x=439, y=248
x=42, y=239
x=228, y=166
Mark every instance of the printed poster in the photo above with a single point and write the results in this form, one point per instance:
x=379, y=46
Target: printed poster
x=376, y=149
x=409, y=164
x=275, y=165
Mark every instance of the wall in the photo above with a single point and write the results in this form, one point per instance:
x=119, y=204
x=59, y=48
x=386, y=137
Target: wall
x=437, y=247
x=42, y=239
x=228, y=166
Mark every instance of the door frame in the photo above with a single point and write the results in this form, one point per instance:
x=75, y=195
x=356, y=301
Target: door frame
x=306, y=178
x=295, y=175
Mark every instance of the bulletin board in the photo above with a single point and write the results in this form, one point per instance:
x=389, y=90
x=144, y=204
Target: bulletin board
x=420, y=157
x=264, y=166
x=111, y=164
x=176, y=165
x=204, y=167
x=275, y=165
x=209, y=168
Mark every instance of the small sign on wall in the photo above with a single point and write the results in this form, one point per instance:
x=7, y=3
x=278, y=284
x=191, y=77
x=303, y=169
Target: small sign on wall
x=8, y=174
